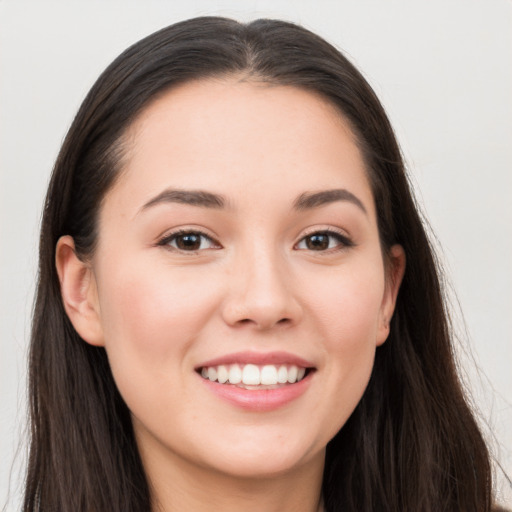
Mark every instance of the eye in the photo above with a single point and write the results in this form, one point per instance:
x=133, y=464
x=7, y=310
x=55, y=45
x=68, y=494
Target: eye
x=189, y=241
x=324, y=241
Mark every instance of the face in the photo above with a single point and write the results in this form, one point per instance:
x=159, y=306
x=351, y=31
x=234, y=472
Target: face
x=238, y=285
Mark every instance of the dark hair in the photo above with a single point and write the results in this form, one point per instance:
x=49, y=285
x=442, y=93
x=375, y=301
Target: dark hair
x=412, y=442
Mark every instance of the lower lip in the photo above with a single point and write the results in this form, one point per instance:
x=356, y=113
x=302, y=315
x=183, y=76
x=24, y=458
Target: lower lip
x=259, y=399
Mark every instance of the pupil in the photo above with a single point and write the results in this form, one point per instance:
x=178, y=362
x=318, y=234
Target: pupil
x=190, y=242
x=317, y=242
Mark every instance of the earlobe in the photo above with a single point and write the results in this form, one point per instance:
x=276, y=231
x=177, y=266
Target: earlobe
x=394, y=275
x=78, y=291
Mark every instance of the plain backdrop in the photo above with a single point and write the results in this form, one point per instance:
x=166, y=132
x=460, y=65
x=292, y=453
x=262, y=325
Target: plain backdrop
x=443, y=70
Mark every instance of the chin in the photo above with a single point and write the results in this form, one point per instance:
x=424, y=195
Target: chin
x=263, y=466
x=260, y=457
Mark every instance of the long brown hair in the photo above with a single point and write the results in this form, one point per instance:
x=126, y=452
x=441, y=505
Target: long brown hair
x=412, y=442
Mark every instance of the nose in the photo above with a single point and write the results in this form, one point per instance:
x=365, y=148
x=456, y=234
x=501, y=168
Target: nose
x=261, y=293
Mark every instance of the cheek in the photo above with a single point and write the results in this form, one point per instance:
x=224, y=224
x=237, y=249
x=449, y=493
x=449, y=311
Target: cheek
x=347, y=306
x=150, y=318
x=347, y=312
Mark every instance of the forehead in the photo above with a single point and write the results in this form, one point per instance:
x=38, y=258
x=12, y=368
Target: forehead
x=228, y=135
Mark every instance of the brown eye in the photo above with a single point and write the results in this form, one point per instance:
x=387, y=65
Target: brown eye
x=189, y=241
x=317, y=242
x=323, y=241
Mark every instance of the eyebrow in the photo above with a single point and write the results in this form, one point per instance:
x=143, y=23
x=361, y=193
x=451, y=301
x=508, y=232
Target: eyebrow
x=201, y=198
x=315, y=199
x=191, y=197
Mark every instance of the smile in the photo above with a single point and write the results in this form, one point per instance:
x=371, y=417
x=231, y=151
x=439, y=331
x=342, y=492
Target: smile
x=252, y=376
x=257, y=382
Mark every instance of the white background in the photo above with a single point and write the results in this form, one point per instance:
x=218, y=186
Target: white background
x=443, y=70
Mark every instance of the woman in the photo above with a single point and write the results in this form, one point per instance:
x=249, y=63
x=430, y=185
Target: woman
x=238, y=307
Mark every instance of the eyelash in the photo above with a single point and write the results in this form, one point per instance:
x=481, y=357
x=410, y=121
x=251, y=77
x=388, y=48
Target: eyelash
x=172, y=237
x=342, y=241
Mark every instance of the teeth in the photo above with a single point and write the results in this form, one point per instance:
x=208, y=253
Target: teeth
x=212, y=373
x=282, y=375
x=253, y=375
x=235, y=374
x=269, y=375
x=292, y=374
x=222, y=374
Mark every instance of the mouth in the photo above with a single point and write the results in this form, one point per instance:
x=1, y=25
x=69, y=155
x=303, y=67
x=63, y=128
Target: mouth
x=253, y=376
x=257, y=382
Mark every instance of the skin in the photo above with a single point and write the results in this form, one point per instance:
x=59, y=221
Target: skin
x=160, y=311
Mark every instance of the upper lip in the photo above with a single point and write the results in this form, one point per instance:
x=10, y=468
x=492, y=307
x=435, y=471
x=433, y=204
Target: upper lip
x=257, y=358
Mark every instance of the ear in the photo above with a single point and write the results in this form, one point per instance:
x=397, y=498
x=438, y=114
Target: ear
x=395, y=269
x=79, y=293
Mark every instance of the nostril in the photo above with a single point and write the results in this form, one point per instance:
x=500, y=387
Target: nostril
x=245, y=321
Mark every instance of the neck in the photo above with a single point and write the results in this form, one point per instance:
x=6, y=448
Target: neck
x=178, y=485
